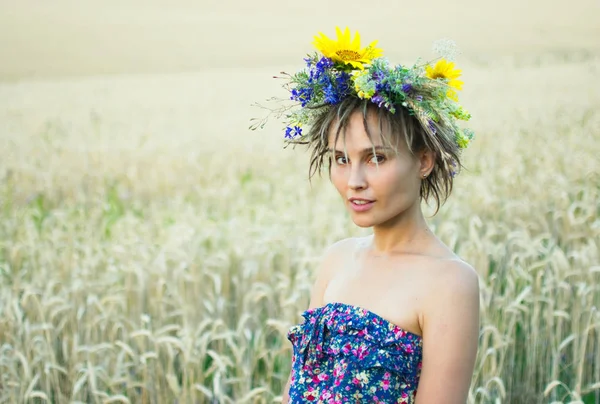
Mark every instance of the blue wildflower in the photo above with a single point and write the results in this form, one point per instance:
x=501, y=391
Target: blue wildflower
x=303, y=95
x=324, y=63
x=317, y=71
x=343, y=84
x=330, y=93
x=334, y=90
x=288, y=133
x=292, y=132
x=407, y=87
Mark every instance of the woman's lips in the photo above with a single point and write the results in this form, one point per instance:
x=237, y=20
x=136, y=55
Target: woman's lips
x=361, y=205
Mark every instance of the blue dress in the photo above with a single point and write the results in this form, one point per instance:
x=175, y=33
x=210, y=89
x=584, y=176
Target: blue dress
x=348, y=354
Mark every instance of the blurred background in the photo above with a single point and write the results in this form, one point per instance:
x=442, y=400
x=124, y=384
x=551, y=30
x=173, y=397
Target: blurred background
x=154, y=249
x=73, y=38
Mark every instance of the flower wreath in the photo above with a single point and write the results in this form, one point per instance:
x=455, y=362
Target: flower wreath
x=343, y=69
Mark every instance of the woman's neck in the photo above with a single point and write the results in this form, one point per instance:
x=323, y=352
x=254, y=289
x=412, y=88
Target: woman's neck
x=403, y=234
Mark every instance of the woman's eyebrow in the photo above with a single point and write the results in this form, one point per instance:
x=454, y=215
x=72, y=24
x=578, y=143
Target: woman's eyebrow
x=363, y=151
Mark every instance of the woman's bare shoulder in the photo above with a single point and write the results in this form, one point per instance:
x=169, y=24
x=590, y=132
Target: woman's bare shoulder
x=335, y=254
x=455, y=266
x=329, y=265
x=453, y=278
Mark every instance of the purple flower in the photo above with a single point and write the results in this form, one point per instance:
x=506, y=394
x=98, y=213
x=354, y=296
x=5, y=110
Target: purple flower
x=381, y=85
x=378, y=99
x=406, y=88
x=454, y=169
x=378, y=76
x=431, y=125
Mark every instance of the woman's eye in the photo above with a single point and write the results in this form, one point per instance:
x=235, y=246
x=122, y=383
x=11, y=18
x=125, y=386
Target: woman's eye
x=341, y=160
x=377, y=159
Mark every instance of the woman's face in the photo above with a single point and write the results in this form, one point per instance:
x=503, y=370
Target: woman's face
x=379, y=185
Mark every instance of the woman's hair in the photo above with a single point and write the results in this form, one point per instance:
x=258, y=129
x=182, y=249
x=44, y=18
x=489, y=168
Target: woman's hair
x=396, y=127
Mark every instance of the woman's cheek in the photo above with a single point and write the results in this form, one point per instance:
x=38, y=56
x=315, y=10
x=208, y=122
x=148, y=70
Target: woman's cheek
x=337, y=177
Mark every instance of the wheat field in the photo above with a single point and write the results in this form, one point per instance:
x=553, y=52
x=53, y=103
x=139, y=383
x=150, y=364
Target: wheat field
x=153, y=249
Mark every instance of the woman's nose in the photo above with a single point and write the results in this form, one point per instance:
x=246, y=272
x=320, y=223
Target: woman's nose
x=357, y=179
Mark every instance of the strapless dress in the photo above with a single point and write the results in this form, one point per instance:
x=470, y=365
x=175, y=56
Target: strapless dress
x=348, y=354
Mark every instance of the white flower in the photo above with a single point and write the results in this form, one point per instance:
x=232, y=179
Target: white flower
x=446, y=48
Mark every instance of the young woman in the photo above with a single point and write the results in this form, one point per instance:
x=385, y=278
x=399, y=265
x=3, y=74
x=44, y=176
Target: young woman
x=393, y=317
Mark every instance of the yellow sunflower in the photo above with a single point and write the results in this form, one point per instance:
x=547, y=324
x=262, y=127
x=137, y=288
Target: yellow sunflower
x=347, y=50
x=444, y=69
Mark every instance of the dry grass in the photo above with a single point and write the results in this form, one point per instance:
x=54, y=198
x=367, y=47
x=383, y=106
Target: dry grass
x=154, y=250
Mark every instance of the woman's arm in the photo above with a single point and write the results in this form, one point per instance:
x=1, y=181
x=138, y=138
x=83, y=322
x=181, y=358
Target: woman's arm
x=286, y=392
x=450, y=336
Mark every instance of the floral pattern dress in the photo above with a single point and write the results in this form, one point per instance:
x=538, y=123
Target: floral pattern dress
x=348, y=354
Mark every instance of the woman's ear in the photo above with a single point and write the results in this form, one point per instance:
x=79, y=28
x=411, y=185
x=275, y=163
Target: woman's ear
x=427, y=161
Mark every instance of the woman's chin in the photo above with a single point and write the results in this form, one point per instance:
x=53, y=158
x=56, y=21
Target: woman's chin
x=363, y=222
